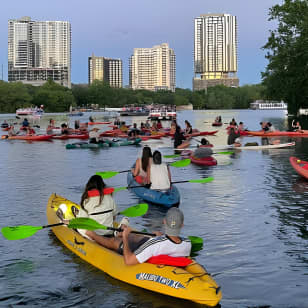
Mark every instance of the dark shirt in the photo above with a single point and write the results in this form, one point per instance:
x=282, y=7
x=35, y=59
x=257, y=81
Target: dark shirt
x=178, y=139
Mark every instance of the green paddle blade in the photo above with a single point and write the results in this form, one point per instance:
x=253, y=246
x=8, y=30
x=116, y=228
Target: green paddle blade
x=107, y=174
x=119, y=189
x=172, y=156
x=137, y=210
x=225, y=153
x=85, y=223
x=19, y=232
x=202, y=181
x=181, y=163
x=196, y=243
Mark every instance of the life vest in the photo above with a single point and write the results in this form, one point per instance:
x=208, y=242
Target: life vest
x=95, y=192
x=167, y=260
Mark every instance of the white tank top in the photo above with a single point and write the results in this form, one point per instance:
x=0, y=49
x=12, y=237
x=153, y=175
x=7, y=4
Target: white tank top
x=159, y=176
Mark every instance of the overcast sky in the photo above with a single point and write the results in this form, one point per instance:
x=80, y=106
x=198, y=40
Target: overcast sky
x=114, y=28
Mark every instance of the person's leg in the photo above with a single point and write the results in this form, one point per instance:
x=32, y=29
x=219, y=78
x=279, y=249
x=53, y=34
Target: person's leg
x=108, y=242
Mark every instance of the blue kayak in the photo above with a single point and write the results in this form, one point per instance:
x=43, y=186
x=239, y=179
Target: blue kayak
x=168, y=198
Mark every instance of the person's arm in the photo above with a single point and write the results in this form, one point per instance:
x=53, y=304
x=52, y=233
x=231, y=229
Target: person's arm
x=129, y=256
x=169, y=175
x=135, y=171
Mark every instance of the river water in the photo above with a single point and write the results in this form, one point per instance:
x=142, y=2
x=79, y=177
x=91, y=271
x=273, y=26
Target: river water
x=253, y=218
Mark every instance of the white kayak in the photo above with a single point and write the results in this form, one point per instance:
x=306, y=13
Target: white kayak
x=264, y=147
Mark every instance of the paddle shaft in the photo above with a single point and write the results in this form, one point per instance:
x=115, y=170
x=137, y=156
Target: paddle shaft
x=54, y=225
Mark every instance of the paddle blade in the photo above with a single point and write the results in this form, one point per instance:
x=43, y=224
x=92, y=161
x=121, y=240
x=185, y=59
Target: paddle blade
x=107, y=174
x=172, y=156
x=202, y=181
x=19, y=232
x=136, y=210
x=119, y=189
x=181, y=163
x=225, y=153
x=85, y=223
x=196, y=243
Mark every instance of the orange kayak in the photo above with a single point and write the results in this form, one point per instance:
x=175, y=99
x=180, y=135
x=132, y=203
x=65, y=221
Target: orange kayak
x=303, y=133
x=31, y=138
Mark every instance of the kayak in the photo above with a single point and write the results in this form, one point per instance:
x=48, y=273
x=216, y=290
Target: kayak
x=168, y=198
x=197, y=133
x=264, y=147
x=71, y=136
x=30, y=138
x=191, y=283
x=278, y=133
x=300, y=166
x=98, y=123
x=107, y=143
x=203, y=161
x=217, y=124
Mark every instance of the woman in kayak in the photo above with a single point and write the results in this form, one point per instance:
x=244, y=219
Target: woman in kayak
x=160, y=177
x=233, y=138
x=142, y=167
x=179, y=138
x=95, y=204
x=296, y=127
x=188, y=129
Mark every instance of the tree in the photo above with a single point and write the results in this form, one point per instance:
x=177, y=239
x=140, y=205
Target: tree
x=286, y=75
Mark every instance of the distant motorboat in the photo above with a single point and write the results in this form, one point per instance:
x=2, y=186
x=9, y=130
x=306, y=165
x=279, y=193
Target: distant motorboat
x=35, y=112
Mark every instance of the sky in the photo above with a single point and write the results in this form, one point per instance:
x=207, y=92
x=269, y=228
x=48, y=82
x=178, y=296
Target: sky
x=114, y=28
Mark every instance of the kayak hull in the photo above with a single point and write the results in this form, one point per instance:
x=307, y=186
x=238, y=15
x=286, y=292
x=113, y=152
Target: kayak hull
x=167, y=199
x=299, y=166
x=98, y=123
x=29, y=138
x=278, y=133
x=217, y=124
x=72, y=136
x=204, y=161
x=108, y=143
x=265, y=147
x=191, y=283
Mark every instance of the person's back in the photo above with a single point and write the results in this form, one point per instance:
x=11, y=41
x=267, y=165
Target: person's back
x=159, y=173
x=25, y=123
x=178, y=137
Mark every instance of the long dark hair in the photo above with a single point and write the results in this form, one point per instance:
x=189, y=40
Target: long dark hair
x=157, y=158
x=95, y=182
x=146, y=155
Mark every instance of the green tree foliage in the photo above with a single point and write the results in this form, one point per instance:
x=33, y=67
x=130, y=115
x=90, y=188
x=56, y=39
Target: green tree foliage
x=286, y=75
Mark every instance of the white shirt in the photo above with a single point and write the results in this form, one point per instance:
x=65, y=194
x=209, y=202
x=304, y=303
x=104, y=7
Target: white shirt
x=159, y=176
x=92, y=205
x=94, y=134
x=162, y=245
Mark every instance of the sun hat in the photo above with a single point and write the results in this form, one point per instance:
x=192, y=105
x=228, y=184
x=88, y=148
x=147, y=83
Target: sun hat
x=174, y=221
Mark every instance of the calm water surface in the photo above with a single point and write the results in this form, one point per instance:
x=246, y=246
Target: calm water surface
x=253, y=218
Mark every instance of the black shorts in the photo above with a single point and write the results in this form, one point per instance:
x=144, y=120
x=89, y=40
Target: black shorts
x=133, y=244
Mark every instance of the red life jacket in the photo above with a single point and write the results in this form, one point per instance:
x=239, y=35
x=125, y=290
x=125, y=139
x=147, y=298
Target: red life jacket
x=95, y=192
x=167, y=260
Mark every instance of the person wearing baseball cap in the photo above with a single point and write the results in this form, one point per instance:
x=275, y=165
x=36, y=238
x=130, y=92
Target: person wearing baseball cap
x=139, y=248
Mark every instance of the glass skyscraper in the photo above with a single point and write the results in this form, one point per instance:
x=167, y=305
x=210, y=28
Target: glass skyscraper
x=38, y=51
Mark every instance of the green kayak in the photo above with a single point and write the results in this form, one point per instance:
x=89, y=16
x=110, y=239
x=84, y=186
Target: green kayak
x=107, y=143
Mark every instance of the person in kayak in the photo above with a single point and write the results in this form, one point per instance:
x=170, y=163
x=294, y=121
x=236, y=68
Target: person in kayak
x=233, y=138
x=94, y=136
x=178, y=138
x=134, y=132
x=141, y=171
x=138, y=249
x=159, y=173
x=94, y=204
x=296, y=127
x=188, y=129
x=159, y=125
x=25, y=123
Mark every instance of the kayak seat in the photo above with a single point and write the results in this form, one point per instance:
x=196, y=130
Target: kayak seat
x=250, y=144
x=172, y=261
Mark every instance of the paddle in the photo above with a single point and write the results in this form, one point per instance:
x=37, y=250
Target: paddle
x=201, y=181
x=110, y=174
x=21, y=232
x=91, y=224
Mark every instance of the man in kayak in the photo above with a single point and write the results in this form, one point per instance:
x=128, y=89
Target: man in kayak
x=138, y=248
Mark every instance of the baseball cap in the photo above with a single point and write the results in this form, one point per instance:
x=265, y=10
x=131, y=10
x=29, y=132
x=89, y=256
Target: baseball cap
x=174, y=221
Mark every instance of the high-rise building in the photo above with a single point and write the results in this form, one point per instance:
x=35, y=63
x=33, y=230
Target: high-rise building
x=38, y=51
x=152, y=68
x=105, y=69
x=215, y=52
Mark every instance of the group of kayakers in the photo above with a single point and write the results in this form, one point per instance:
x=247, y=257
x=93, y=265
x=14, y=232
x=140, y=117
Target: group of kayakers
x=135, y=249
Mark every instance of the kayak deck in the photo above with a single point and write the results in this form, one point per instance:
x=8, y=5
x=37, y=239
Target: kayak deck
x=190, y=283
x=300, y=166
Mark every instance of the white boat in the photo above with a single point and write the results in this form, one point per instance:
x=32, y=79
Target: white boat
x=264, y=147
x=269, y=105
x=31, y=111
x=163, y=113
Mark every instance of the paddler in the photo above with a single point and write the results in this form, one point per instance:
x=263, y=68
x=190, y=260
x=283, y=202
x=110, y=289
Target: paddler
x=138, y=249
x=179, y=138
x=141, y=171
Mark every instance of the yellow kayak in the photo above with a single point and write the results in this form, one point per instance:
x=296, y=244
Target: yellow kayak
x=190, y=283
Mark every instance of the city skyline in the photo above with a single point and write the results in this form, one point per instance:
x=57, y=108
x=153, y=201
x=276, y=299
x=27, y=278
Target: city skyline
x=137, y=25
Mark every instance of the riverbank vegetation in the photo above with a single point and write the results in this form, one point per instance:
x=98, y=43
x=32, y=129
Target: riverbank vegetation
x=56, y=98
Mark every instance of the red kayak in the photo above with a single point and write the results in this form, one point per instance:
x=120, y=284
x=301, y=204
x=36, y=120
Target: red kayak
x=300, y=166
x=303, y=133
x=204, y=161
x=98, y=123
x=216, y=123
x=73, y=136
x=30, y=138
x=196, y=134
